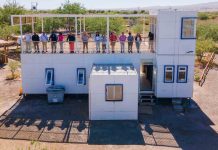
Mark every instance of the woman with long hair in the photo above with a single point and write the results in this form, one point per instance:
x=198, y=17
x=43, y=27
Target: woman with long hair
x=138, y=40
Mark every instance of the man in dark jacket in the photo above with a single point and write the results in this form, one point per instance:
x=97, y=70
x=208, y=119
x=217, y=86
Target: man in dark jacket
x=151, y=41
x=35, y=39
x=53, y=38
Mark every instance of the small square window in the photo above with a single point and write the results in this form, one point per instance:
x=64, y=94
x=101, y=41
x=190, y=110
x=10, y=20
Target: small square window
x=169, y=74
x=81, y=76
x=49, y=76
x=114, y=92
x=182, y=74
x=188, y=28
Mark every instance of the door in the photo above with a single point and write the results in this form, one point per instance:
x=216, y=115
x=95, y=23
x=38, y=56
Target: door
x=146, y=77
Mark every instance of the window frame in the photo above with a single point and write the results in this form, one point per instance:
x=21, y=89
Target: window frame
x=52, y=76
x=186, y=73
x=84, y=76
x=119, y=100
x=173, y=72
x=182, y=25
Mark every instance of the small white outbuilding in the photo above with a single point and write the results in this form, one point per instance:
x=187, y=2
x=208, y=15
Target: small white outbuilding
x=113, y=92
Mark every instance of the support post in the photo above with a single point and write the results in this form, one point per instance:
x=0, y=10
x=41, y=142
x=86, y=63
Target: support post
x=84, y=24
x=108, y=36
x=42, y=24
x=143, y=32
x=80, y=26
x=21, y=35
x=76, y=33
x=32, y=25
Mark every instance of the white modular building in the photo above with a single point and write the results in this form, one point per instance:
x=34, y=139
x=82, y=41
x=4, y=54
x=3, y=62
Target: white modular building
x=113, y=92
x=165, y=68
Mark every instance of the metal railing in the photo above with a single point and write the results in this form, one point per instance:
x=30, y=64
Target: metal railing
x=206, y=69
x=37, y=47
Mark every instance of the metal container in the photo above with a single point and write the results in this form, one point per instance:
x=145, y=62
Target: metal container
x=55, y=94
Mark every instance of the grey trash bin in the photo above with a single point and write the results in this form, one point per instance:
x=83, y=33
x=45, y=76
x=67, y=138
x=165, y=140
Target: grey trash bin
x=55, y=94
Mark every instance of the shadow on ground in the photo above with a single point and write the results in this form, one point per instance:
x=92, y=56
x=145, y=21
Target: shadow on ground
x=33, y=118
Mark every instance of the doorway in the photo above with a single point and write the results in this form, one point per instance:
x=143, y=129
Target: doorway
x=146, y=77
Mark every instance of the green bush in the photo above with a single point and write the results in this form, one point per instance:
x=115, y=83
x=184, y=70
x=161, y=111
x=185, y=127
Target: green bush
x=204, y=46
x=203, y=16
x=207, y=32
x=13, y=66
x=197, y=78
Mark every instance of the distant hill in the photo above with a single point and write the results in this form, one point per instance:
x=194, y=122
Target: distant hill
x=203, y=7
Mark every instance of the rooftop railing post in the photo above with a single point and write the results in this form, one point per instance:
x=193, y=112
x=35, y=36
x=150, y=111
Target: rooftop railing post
x=21, y=35
x=108, y=27
x=76, y=34
x=32, y=25
x=143, y=32
x=80, y=26
x=42, y=24
x=84, y=24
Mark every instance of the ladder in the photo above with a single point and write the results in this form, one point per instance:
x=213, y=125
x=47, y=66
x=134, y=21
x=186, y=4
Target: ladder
x=206, y=69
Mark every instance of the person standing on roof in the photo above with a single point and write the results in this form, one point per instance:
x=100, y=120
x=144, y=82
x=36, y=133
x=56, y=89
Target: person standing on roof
x=71, y=39
x=85, y=39
x=138, y=40
x=130, y=42
x=35, y=39
x=28, y=39
x=104, y=42
x=113, y=40
x=151, y=41
x=53, y=38
x=61, y=42
x=122, y=39
x=44, y=40
x=97, y=41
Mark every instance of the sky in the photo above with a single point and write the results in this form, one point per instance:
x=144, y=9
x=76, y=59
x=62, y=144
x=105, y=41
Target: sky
x=108, y=4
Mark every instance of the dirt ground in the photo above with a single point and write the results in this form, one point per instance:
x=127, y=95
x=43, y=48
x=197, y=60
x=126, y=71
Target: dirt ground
x=164, y=129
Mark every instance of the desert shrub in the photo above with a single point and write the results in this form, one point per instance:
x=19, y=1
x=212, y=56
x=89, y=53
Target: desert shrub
x=203, y=16
x=13, y=66
x=204, y=46
x=207, y=32
x=197, y=77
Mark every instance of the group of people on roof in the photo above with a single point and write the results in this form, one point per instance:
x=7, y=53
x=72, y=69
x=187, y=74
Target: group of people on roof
x=99, y=39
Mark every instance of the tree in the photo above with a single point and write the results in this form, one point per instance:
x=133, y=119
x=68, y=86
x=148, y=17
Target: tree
x=204, y=46
x=138, y=28
x=8, y=9
x=100, y=25
x=7, y=31
x=70, y=8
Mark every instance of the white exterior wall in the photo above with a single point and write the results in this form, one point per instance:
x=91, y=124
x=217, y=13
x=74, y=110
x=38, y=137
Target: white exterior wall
x=65, y=69
x=172, y=50
x=100, y=109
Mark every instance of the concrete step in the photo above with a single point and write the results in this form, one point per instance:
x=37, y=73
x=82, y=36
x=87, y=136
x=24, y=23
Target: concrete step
x=146, y=104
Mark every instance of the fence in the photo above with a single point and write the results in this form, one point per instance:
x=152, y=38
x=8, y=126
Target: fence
x=78, y=47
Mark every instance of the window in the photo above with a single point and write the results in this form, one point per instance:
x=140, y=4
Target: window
x=81, y=76
x=182, y=74
x=114, y=92
x=168, y=74
x=49, y=76
x=188, y=28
